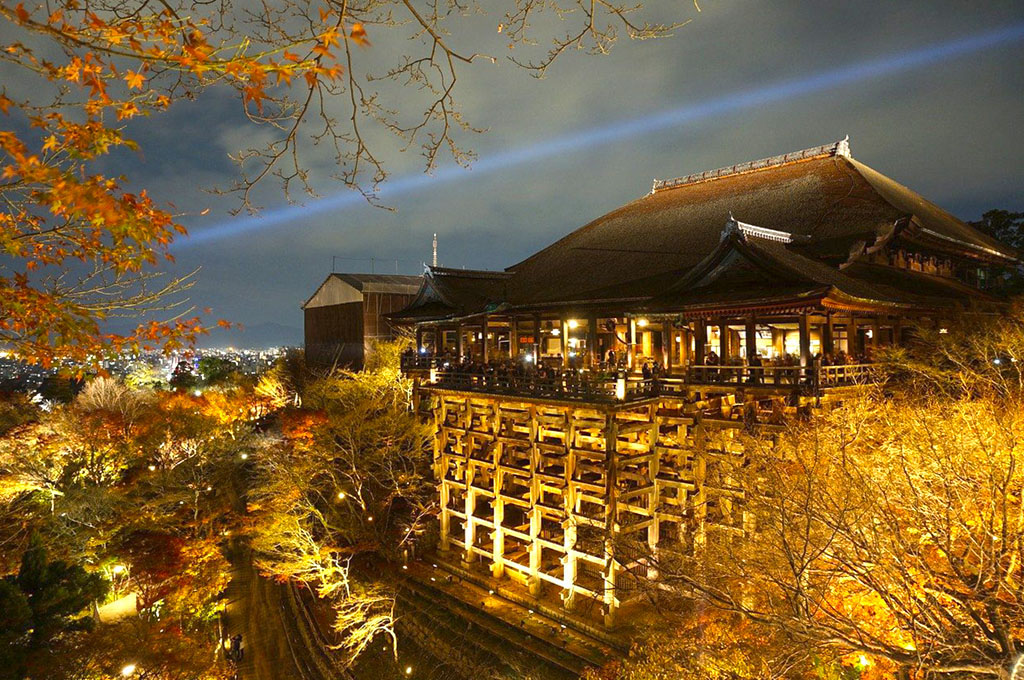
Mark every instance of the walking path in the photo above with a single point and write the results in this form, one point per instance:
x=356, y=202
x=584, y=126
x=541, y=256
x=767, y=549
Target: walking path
x=273, y=647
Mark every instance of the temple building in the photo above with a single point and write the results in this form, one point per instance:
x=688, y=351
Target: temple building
x=593, y=390
x=347, y=312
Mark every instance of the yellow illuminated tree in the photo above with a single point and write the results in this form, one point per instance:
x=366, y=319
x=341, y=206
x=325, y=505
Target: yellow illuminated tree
x=889, y=532
x=348, y=490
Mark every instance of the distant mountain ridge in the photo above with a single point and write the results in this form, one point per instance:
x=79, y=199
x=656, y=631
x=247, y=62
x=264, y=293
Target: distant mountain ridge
x=255, y=336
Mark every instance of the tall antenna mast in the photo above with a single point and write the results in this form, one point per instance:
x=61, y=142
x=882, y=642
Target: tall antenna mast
x=435, y=249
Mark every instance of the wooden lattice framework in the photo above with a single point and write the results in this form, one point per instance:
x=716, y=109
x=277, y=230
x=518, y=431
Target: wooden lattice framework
x=547, y=493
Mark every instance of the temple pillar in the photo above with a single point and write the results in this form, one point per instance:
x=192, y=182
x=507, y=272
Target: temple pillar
x=610, y=571
x=536, y=339
x=723, y=341
x=484, y=344
x=700, y=340
x=592, y=349
x=565, y=341
x=827, y=332
x=513, y=337
x=470, y=529
x=458, y=341
x=569, y=564
x=805, y=340
x=498, y=535
x=534, y=513
x=630, y=341
x=751, y=338
x=667, y=345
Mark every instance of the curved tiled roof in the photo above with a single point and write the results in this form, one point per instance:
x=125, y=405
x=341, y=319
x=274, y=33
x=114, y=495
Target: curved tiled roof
x=833, y=206
x=836, y=202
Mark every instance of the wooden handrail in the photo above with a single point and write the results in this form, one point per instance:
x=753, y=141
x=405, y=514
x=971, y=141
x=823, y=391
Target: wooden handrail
x=593, y=387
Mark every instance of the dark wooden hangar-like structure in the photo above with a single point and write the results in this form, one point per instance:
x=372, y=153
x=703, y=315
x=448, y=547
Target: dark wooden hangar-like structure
x=593, y=391
x=348, y=312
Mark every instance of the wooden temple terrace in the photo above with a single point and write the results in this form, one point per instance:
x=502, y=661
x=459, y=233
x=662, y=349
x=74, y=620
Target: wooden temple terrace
x=592, y=393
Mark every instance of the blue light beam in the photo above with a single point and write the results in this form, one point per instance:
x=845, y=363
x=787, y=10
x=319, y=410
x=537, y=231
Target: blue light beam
x=617, y=131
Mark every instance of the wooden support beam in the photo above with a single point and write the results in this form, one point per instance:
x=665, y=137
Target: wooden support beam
x=564, y=336
x=751, y=337
x=654, y=499
x=534, y=513
x=513, y=337
x=593, y=358
x=805, y=340
x=484, y=343
x=701, y=339
x=536, y=339
x=827, y=335
x=667, y=344
x=611, y=469
x=630, y=342
x=498, y=533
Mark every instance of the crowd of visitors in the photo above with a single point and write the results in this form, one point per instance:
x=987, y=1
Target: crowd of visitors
x=840, y=358
x=555, y=369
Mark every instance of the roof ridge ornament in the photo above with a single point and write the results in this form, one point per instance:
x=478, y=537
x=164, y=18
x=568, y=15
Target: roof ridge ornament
x=734, y=226
x=838, y=148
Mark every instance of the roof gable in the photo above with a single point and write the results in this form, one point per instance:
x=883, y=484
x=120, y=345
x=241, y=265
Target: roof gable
x=339, y=288
x=450, y=293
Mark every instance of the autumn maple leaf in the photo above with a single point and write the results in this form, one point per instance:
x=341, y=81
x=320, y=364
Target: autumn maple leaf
x=135, y=80
x=358, y=35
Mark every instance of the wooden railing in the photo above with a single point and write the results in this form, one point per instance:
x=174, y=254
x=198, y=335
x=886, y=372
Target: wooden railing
x=418, y=362
x=780, y=376
x=604, y=387
x=572, y=386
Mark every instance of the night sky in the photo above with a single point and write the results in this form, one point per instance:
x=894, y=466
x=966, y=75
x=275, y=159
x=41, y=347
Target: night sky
x=930, y=94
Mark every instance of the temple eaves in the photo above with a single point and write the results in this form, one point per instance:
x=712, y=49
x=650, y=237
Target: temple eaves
x=839, y=148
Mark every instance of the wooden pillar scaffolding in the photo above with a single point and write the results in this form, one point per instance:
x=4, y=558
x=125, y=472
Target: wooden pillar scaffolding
x=564, y=336
x=701, y=339
x=536, y=339
x=513, y=337
x=667, y=345
x=827, y=335
x=610, y=574
x=593, y=357
x=484, y=342
x=630, y=342
x=751, y=338
x=805, y=339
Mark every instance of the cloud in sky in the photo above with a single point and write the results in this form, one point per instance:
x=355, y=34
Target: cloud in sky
x=743, y=81
x=578, y=140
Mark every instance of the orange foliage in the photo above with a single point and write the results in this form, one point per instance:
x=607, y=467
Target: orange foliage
x=59, y=215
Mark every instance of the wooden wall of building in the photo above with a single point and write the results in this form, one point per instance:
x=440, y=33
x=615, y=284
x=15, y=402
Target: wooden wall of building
x=340, y=334
x=375, y=306
x=334, y=334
